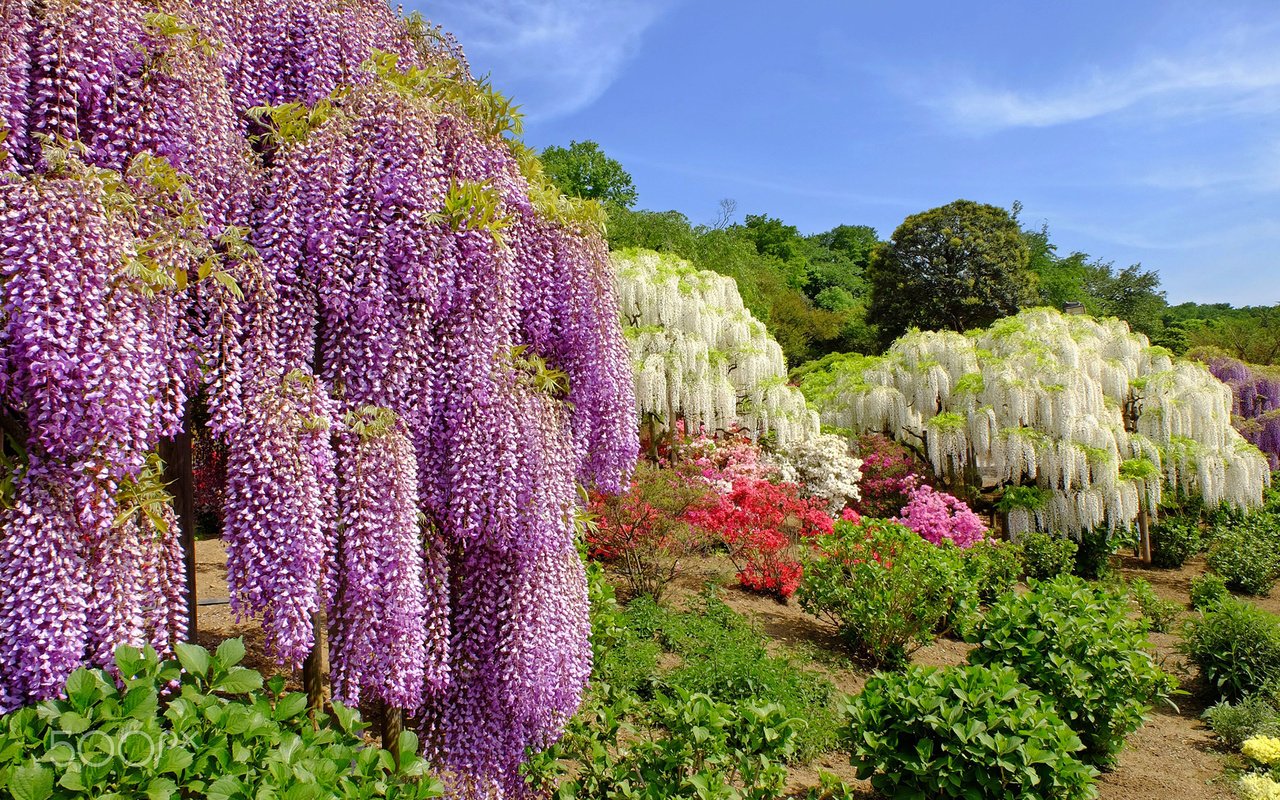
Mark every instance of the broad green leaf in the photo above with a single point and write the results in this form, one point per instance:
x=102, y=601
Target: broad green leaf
x=238, y=681
x=193, y=658
x=72, y=722
x=230, y=653
x=31, y=782
x=82, y=688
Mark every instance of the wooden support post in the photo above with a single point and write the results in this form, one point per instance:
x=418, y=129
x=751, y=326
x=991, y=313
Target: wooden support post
x=178, y=476
x=392, y=724
x=316, y=664
x=1144, y=536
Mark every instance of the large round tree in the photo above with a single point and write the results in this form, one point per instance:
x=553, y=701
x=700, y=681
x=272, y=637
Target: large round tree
x=958, y=267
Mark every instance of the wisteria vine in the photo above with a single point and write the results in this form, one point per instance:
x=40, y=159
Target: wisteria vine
x=310, y=218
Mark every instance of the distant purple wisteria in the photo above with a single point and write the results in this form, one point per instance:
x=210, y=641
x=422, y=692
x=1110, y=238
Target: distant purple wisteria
x=1256, y=403
x=303, y=215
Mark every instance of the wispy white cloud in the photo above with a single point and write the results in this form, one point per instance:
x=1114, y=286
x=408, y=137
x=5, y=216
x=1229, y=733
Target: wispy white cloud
x=554, y=57
x=1237, y=73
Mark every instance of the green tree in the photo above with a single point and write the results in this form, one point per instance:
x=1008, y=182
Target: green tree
x=1131, y=294
x=583, y=170
x=957, y=267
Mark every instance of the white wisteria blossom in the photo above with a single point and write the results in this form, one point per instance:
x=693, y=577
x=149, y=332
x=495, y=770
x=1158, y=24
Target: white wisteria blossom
x=700, y=355
x=1086, y=410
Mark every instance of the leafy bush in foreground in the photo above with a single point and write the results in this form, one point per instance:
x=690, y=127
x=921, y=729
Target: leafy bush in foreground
x=221, y=736
x=1237, y=647
x=693, y=747
x=964, y=732
x=724, y=657
x=1077, y=644
x=882, y=587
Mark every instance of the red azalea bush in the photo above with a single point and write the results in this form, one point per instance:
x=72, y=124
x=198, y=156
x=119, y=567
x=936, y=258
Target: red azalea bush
x=763, y=524
x=643, y=533
x=938, y=516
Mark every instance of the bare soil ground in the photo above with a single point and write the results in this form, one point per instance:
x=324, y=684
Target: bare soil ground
x=1172, y=757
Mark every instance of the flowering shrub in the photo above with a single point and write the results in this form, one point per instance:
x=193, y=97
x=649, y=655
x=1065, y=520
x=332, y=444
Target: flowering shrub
x=763, y=524
x=723, y=461
x=889, y=473
x=825, y=468
x=1263, y=749
x=937, y=516
x=643, y=533
x=1259, y=787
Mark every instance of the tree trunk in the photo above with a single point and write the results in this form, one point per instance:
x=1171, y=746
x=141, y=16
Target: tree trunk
x=315, y=666
x=1144, y=536
x=176, y=455
x=392, y=724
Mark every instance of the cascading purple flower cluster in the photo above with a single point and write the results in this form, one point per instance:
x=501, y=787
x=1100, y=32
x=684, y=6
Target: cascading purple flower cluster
x=92, y=373
x=378, y=623
x=280, y=511
x=1256, y=402
x=398, y=262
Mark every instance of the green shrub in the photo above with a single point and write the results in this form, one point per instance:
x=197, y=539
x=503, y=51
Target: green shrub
x=993, y=567
x=1255, y=715
x=1161, y=614
x=883, y=588
x=221, y=736
x=1207, y=591
x=1174, y=540
x=1045, y=555
x=1247, y=554
x=1077, y=644
x=623, y=656
x=691, y=747
x=964, y=732
x=1093, y=553
x=723, y=656
x=1237, y=647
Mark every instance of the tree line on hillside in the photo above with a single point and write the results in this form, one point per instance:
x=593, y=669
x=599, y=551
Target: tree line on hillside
x=957, y=267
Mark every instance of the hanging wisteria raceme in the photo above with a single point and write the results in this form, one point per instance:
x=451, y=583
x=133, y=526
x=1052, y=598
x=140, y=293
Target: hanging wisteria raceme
x=1084, y=409
x=281, y=509
x=299, y=210
x=700, y=355
x=1255, y=403
x=95, y=362
x=377, y=623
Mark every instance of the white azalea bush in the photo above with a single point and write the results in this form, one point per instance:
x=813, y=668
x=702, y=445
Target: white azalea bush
x=824, y=467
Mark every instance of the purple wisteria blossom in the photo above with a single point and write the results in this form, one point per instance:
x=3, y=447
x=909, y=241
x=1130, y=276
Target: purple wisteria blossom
x=299, y=212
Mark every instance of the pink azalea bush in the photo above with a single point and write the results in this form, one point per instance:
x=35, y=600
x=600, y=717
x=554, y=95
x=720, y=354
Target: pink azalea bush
x=937, y=516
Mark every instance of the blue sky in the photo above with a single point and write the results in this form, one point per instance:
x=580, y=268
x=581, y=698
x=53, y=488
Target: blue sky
x=1139, y=131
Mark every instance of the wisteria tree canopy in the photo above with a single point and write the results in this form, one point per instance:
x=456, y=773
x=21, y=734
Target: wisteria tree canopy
x=700, y=356
x=1255, y=404
x=308, y=218
x=1084, y=410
